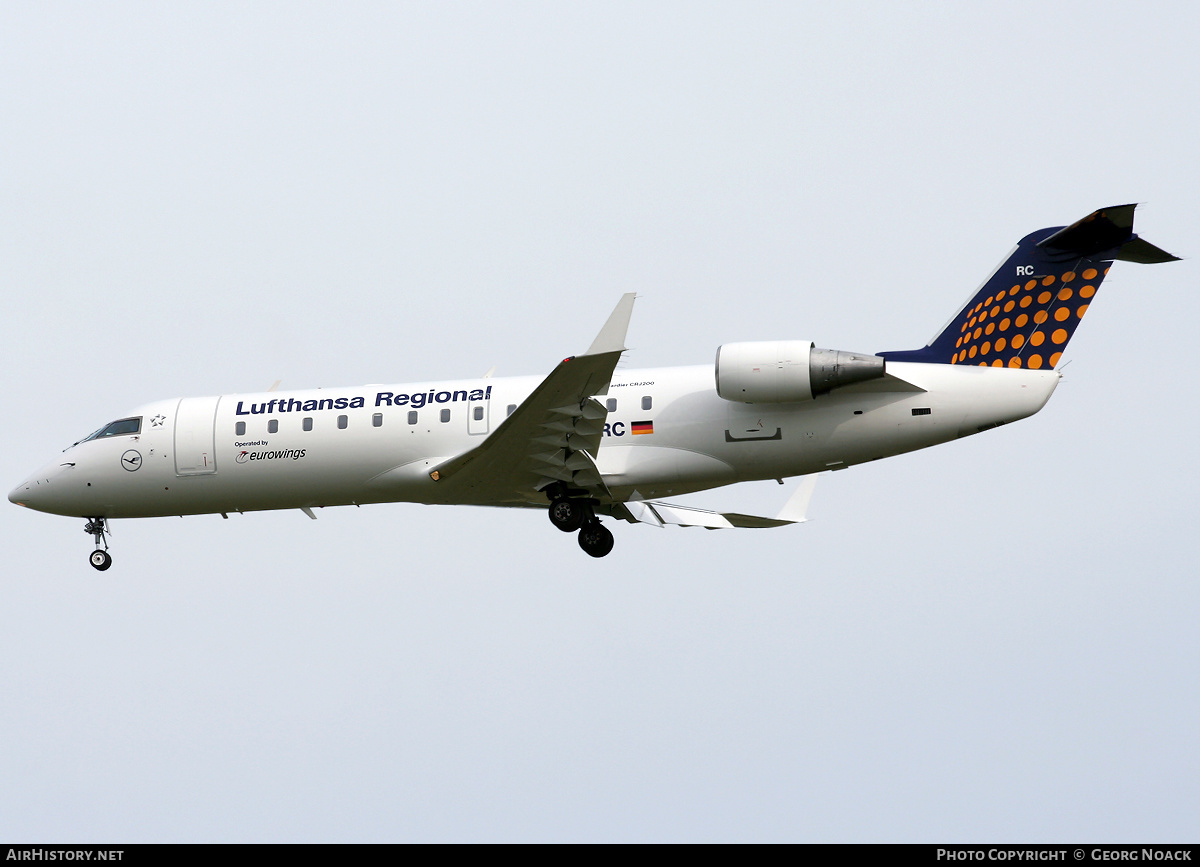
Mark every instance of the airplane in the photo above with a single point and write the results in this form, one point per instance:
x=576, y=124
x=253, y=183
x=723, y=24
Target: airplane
x=588, y=441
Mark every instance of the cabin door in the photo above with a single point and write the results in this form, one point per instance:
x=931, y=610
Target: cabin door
x=195, y=436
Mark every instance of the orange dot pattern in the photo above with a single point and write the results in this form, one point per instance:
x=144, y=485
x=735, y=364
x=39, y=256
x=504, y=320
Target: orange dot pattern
x=1049, y=312
x=1023, y=316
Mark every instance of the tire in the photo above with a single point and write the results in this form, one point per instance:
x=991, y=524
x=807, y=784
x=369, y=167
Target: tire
x=567, y=515
x=100, y=560
x=595, y=539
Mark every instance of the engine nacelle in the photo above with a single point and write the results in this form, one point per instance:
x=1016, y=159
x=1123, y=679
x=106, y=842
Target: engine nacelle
x=787, y=371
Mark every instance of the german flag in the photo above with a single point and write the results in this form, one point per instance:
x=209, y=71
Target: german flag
x=641, y=427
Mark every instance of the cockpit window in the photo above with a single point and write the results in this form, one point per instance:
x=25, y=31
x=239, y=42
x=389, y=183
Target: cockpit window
x=117, y=428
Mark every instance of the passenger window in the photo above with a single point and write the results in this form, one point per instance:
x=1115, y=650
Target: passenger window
x=611, y=404
x=377, y=419
x=307, y=423
x=342, y=422
x=445, y=416
x=273, y=426
x=647, y=402
x=478, y=413
x=239, y=429
x=412, y=416
x=512, y=407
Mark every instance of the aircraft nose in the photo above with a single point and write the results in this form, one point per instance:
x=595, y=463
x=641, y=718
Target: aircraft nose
x=38, y=491
x=31, y=493
x=22, y=493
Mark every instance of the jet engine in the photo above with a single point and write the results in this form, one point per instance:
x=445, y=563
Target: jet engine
x=786, y=371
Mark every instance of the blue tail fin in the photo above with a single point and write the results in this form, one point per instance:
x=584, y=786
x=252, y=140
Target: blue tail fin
x=1025, y=313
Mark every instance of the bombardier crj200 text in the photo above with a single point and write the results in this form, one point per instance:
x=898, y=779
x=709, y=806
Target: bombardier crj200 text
x=586, y=441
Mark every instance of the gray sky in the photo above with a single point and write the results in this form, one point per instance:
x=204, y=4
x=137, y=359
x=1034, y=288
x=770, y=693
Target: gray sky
x=990, y=640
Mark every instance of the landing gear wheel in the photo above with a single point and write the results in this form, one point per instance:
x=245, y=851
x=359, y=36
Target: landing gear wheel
x=595, y=539
x=567, y=515
x=97, y=528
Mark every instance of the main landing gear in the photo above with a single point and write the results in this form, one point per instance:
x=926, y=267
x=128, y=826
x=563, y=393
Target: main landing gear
x=99, y=558
x=576, y=513
x=595, y=539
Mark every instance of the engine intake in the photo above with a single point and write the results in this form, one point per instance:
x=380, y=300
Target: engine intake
x=787, y=371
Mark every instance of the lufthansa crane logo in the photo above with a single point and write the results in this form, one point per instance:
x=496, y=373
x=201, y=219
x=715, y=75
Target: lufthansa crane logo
x=131, y=460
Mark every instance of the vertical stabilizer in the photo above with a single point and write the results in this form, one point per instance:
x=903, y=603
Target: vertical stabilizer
x=1027, y=311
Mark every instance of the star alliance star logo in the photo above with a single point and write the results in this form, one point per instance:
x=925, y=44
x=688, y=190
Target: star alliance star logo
x=158, y=420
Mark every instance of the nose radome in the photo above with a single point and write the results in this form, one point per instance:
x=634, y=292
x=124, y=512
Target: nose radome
x=20, y=494
x=38, y=491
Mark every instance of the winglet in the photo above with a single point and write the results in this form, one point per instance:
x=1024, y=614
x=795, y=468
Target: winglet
x=612, y=336
x=796, y=508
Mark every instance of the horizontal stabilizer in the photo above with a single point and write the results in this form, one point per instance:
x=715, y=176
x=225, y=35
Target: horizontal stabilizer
x=1106, y=229
x=1098, y=231
x=1144, y=253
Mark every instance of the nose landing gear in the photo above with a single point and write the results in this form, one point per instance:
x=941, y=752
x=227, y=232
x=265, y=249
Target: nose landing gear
x=99, y=558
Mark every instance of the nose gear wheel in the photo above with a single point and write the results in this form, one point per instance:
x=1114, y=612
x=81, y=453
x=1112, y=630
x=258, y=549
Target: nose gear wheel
x=98, y=529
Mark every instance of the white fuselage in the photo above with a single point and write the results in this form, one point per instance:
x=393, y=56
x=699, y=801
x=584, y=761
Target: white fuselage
x=377, y=443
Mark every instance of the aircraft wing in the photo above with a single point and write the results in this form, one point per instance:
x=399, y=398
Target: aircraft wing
x=552, y=436
x=660, y=514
